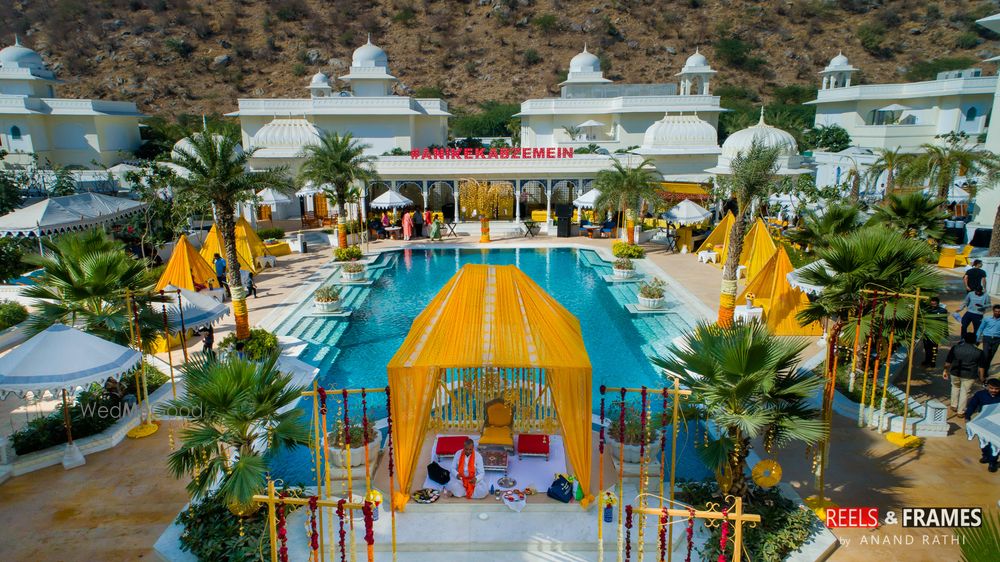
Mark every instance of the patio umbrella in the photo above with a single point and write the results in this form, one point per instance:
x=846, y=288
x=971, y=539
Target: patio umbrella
x=588, y=199
x=390, y=200
x=271, y=196
x=795, y=278
x=62, y=358
x=986, y=427
x=310, y=189
x=194, y=309
x=687, y=212
x=894, y=107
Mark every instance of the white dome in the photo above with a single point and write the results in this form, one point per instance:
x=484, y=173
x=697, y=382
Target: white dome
x=187, y=146
x=680, y=131
x=286, y=133
x=319, y=80
x=697, y=59
x=585, y=62
x=839, y=60
x=19, y=56
x=369, y=55
x=768, y=136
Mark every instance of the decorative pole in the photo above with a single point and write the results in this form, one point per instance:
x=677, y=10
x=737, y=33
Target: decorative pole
x=180, y=310
x=170, y=355
x=621, y=472
x=600, y=480
x=642, y=471
x=900, y=438
x=392, y=486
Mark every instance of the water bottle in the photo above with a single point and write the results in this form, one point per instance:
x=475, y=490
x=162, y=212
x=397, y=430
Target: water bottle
x=609, y=512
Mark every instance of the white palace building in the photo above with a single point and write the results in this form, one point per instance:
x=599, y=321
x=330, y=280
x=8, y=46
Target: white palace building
x=673, y=126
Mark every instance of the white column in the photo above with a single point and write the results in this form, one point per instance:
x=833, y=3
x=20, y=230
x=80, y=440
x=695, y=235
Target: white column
x=548, y=205
x=517, y=200
x=423, y=194
x=454, y=193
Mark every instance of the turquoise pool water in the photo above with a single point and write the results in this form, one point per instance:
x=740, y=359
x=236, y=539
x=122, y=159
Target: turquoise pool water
x=353, y=352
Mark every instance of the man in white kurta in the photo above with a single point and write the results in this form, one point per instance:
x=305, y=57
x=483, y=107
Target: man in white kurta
x=464, y=476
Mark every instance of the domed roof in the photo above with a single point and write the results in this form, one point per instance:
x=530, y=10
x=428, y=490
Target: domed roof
x=319, y=79
x=19, y=56
x=770, y=137
x=697, y=59
x=186, y=146
x=369, y=55
x=680, y=131
x=286, y=133
x=839, y=60
x=585, y=62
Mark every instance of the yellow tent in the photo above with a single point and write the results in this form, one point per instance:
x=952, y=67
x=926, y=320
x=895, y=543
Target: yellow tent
x=248, y=245
x=186, y=268
x=758, y=247
x=491, y=332
x=781, y=301
x=719, y=237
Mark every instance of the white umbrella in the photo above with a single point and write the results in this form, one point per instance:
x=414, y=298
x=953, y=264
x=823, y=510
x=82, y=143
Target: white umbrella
x=272, y=196
x=310, y=189
x=390, y=200
x=588, y=199
x=795, y=277
x=894, y=107
x=687, y=212
x=195, y=310
x=986, y=427
x=590, y=123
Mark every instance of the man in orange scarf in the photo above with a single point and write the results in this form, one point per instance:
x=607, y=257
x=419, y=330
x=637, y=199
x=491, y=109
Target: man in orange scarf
x=467, y=475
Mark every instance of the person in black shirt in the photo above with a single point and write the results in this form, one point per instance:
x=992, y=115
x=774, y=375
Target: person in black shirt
x=985, y=397
x=930, y=346
x=963, y=366
x=975, y=277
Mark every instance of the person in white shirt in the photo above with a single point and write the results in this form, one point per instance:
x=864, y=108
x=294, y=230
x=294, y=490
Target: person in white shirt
x=467, y=474
x=976, y=303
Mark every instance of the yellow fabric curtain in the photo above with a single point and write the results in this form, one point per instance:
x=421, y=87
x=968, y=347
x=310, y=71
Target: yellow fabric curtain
x=758, y=247
x=490, y=316
x=719, y=237
x=186, y=268
x=781, y=301
x=248, y=245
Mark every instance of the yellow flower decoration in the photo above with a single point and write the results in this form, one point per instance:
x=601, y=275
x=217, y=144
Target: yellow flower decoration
x=766, y=473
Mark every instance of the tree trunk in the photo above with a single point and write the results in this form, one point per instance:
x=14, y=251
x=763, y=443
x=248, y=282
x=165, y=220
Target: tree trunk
x=227, y=226
x=995, y=237
x=727, y=298
x=855, y=189
x=738, y=486
x=341, y=222
x=890, y=181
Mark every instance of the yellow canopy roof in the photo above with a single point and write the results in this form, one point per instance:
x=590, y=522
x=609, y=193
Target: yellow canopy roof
x=780, y=300
x=248, y=245
x=719, y=237
x=758, y=247
x=490, y=316
x=186, y=268
x=681, y=189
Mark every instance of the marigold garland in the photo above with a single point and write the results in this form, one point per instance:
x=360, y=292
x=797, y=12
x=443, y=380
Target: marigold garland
x=600, y=441
x=366, y=509
x=281, y=530
x=663, y=533
x=321, y=393
x=347, y=423
x=690, y=533
x=313, y=532
x=343, y=534
x=388, y=407
x=628, y=532
x=725, y=533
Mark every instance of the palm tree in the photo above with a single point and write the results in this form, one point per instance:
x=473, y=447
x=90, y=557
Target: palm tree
x=818, y=228
x=233, y=408
x=753, y=174
x=339, y=161
x=853, y=178
x=626, y=190
x=940, y=165
x=889, y=162
x=86, y=282
x=748, y=382
x=915, y=214
x=212, y=170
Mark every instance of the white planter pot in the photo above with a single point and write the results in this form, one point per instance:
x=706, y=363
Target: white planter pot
x=331, y=239
x=349, y=276
x=339, y=459
x=651, y=304
x=643, y=236
x=329, y=306
x=632, y=451
x=623, y=273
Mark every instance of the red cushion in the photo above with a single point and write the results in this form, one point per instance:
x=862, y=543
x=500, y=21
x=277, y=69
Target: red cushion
x=448, y=445
x=533, y=444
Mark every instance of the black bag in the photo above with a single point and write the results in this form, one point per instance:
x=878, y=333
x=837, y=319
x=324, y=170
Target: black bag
x=438, y=473
x=561, y=489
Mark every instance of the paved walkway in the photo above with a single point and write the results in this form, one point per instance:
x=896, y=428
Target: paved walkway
x=115, y=506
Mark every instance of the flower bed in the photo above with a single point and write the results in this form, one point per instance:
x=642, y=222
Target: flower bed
x=259, y=345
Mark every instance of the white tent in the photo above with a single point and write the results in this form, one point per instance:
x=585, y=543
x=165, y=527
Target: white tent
x=310, y=189
x=195, y=309
x=687, y=212
x=70, y=212
x=588, y=199
x=390, y=200
x=795, y=278
x=272, y=196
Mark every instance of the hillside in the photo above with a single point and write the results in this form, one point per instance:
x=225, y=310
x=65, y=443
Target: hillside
x=183, y=56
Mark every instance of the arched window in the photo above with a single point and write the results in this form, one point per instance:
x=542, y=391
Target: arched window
x=15, y=133
x=971, y=114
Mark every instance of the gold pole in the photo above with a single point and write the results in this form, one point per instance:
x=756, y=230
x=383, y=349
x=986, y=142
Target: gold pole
x=673, y=458
x=170, y=356
x=885, y=381
x=272, y=520
x=901, y=438
x=319, y=456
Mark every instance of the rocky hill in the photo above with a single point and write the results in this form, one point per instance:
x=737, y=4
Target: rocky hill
x=187, y=56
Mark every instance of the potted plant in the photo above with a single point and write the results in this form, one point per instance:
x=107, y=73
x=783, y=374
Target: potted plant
x=327, y=299
x=633, y=432
x=623, y=268
x=651, y=294
x=335, y=446
x=353, y=271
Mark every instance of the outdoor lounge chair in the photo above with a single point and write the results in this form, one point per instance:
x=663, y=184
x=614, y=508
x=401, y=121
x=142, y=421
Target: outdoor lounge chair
x=608, y=228
x=947, y=258
x=963, y=258
x=498, y=427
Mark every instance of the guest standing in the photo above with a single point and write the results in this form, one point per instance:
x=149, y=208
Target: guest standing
x=975, y=277
x=428, y=218
x=985, y=397
x=965, y=363
x=208, y=342
x=975, y=305
x=220, y=271
x=418, y=225
x=407, y=225
x=989, y=335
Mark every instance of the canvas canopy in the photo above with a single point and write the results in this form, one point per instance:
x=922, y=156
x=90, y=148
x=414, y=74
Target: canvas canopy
x=248, y=245
x=186, y=267
x=687, y=212
x=67, y=213
x=271, y=196
x=781, y=301
x=588, y=199
x=390, y=200
x=196, y=309
x=494, y=317
x=758, y=247
x=719, y=237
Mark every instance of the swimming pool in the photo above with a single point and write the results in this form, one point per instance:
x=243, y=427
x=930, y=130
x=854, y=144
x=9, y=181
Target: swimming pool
x=353, y=352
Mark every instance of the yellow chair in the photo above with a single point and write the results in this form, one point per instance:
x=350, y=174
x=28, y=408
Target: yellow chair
x=498, y=428
x=963, y=258
x=947, y=258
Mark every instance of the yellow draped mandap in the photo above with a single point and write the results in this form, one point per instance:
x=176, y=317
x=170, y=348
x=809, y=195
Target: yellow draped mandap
x=186, y=267
x=491, y=332
x=249, y=246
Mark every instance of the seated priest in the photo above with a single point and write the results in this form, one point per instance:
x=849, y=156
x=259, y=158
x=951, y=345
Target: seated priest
x=467, y=474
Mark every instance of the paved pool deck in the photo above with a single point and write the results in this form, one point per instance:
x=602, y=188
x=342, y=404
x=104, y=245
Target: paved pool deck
x=115, y=506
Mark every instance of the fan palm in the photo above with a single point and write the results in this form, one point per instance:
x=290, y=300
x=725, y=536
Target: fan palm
x=853, y=177
x=753, y=176
x=889, y=161
x=340, y=162
x=983, y=542
x=86, y=282
x=915, y=214
x=940, y=165
x=818, y=228
x=234, y=411
x=746, y=381
x=625, y=190
x=212, y=170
